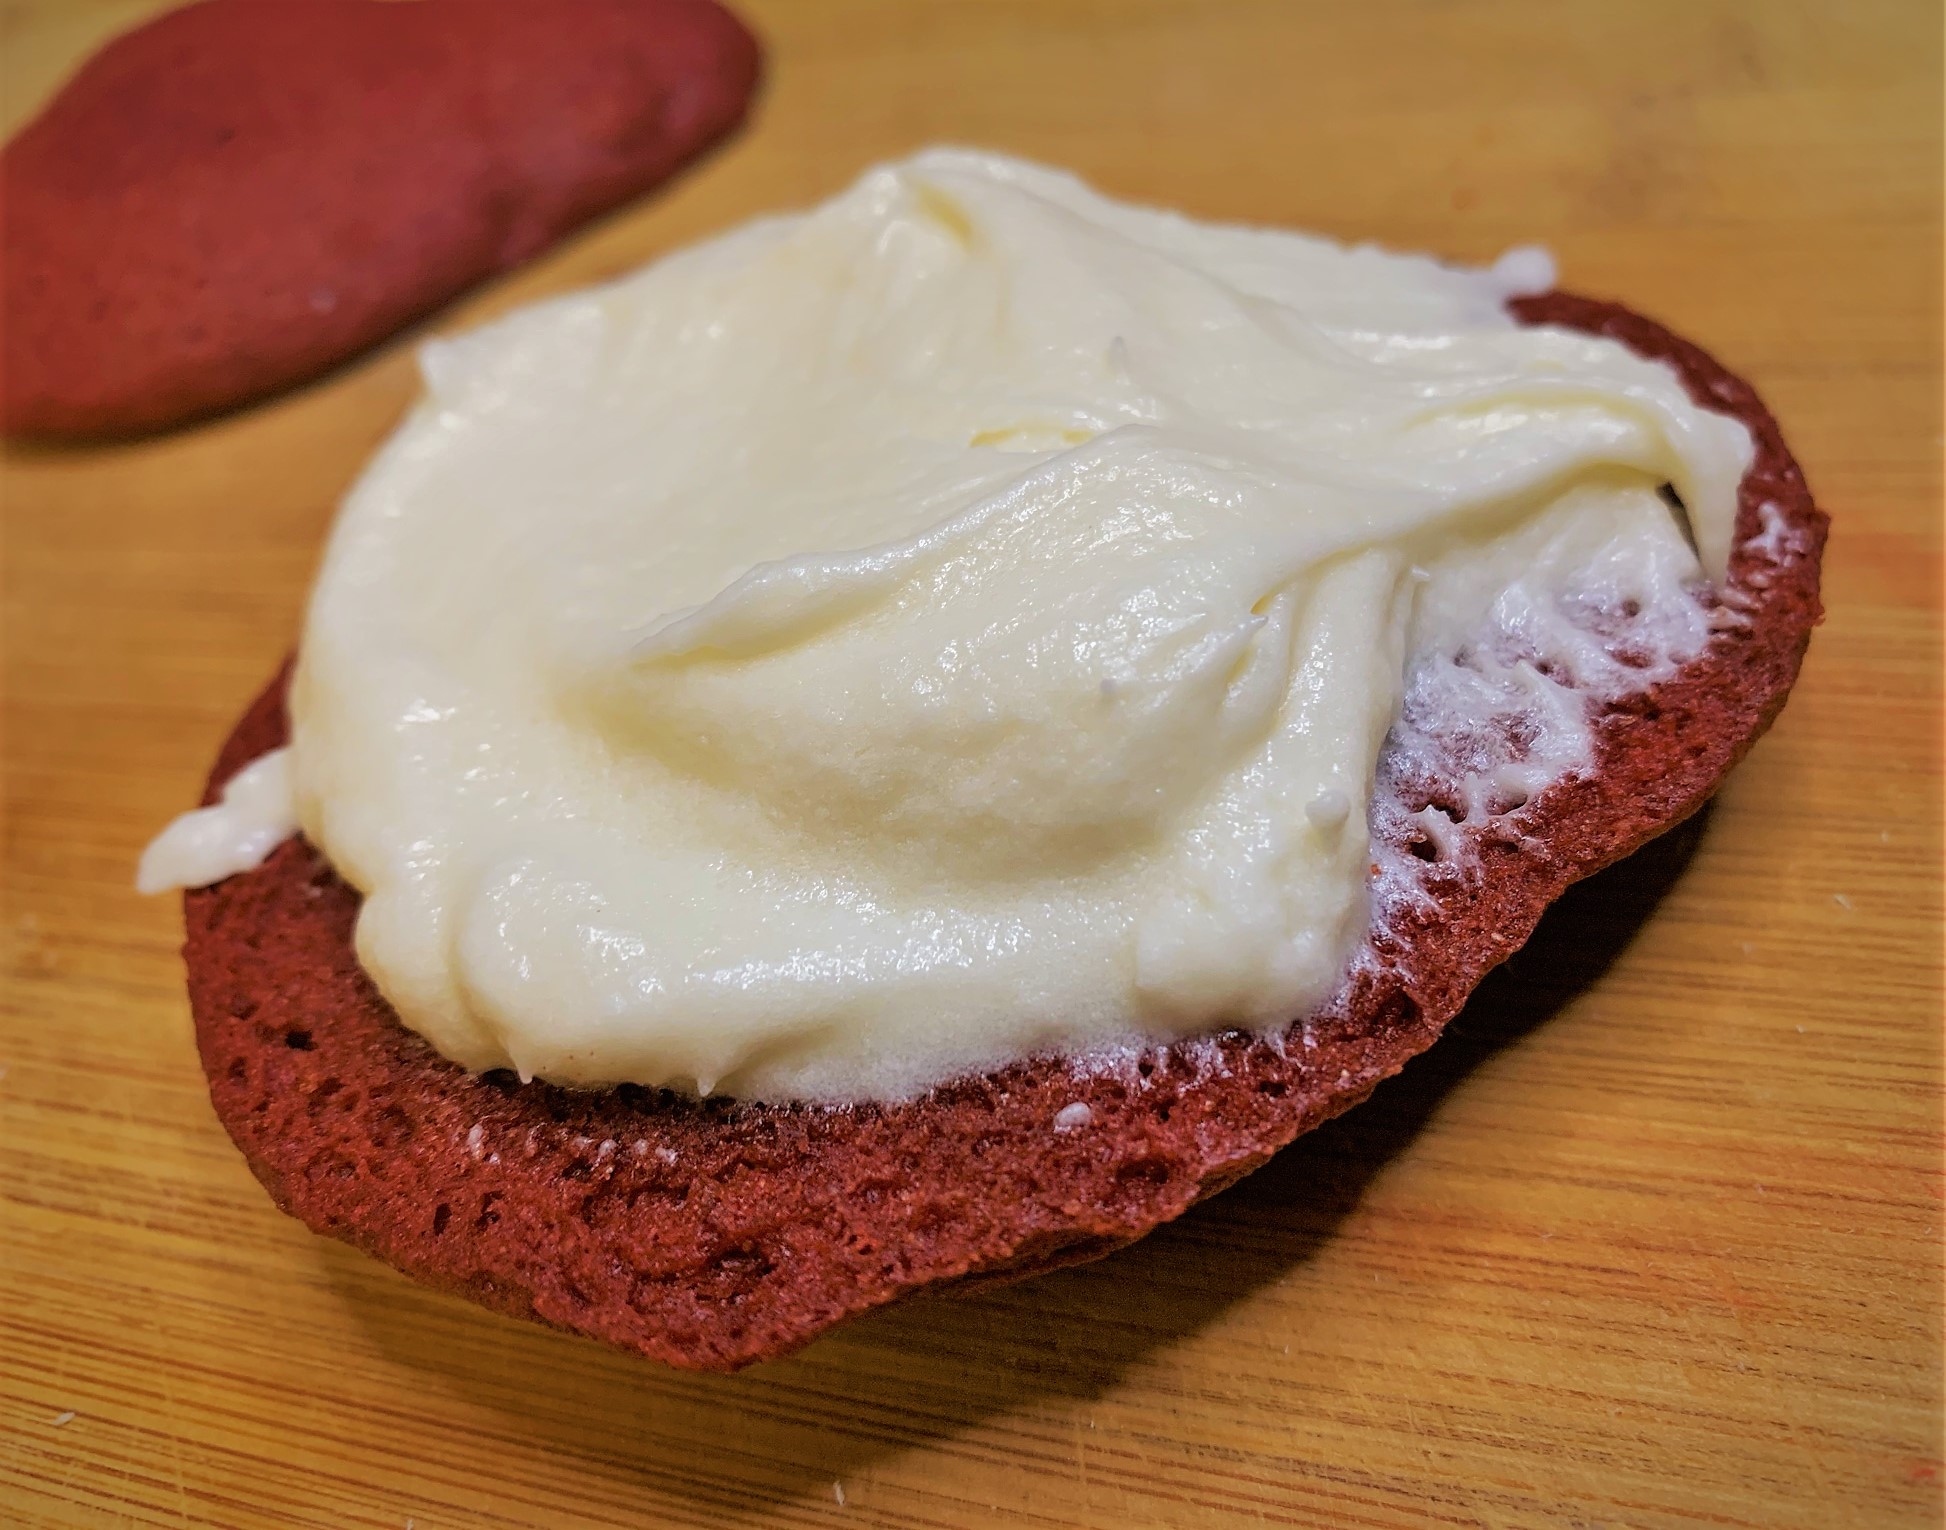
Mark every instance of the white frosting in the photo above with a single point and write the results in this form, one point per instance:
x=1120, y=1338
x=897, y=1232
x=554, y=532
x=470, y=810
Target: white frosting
x=252, y=818
x=957, y=622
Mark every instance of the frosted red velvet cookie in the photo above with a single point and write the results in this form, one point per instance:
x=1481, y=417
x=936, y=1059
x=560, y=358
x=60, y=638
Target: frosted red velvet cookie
x=710, y=1234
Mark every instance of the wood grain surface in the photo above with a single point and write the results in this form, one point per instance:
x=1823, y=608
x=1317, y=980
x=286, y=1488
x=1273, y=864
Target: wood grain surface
x=1651, y=1239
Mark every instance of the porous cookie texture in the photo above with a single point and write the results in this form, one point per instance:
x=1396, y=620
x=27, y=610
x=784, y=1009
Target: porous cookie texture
x=239, y=195
x=713, y=1234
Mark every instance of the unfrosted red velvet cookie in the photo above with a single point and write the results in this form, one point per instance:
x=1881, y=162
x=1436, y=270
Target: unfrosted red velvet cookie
x=241, y=194
x=712, y=1235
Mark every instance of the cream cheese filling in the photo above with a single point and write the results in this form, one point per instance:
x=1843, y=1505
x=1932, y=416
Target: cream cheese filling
x=957, y=622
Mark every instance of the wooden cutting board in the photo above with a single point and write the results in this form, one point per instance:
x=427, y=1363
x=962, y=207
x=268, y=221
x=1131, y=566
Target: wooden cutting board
x=1652, y=1239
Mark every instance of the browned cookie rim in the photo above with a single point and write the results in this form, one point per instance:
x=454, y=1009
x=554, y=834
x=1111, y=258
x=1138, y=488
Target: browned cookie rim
x=710, y=1235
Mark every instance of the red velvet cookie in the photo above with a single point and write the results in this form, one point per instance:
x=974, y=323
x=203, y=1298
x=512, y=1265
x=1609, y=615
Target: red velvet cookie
x=242, y=194
x=711, y=1235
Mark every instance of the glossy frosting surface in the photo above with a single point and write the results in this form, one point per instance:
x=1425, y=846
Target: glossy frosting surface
x=956, y=622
